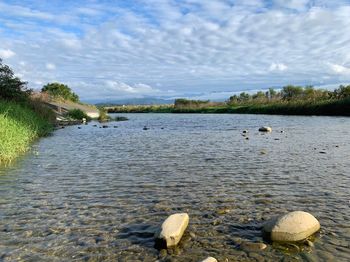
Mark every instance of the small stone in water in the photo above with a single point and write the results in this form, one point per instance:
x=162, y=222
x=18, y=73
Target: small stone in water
x=163, y=253
x=209, y=259
x=250, y=246
x=223, y=211
x=216, y=222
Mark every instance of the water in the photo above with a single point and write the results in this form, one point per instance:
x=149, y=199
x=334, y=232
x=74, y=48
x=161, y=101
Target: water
x=95, y=194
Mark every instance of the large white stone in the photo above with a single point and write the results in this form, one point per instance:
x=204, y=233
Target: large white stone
x=291, y=227
x=209, y=259
x=265, y=129
x=173, y=228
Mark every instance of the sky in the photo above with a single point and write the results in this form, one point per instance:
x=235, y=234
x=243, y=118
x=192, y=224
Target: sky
x=119, y=49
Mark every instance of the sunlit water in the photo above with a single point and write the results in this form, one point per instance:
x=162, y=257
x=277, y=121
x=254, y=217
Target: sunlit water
x=95, y=194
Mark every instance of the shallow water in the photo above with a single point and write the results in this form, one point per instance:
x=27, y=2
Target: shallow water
x=96, y=194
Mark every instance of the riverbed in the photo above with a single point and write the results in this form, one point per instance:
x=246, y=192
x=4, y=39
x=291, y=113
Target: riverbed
x=99, y=194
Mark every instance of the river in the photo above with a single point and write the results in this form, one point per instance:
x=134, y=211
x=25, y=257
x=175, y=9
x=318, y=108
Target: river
x=99, y=194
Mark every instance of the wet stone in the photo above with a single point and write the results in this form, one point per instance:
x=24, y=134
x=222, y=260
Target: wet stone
x=265, y=129
x=209, y=259
x=291, y=227
x=251, y=246
x=172, y=230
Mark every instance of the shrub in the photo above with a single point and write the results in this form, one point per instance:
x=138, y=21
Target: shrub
x=77, y=114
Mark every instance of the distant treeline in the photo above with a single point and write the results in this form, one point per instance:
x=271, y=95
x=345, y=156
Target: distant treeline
x=290, y=100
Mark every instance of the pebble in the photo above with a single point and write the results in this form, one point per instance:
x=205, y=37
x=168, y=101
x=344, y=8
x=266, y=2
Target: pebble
x=209, y=259
x=223, y=211
x=251, y=246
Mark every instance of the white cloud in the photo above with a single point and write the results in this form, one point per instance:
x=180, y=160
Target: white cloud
x=339, y=69
x=137, y=89
x=278, y=67
x=6, y=53
x=50, y=66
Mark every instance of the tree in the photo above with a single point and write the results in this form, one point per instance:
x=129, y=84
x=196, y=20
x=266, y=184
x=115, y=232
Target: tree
x=260, y=96
x=11, y=87
x=272, y=93
x=342, y=92
x=60, y=90
x=244, y=97
x=291, y=92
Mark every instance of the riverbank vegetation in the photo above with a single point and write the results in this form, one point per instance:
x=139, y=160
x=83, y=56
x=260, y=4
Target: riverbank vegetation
x=22, y=117
x=290, y=100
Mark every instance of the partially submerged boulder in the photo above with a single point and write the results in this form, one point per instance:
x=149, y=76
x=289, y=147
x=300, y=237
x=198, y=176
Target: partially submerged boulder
x=291, y=227
x=172, y=230
x=265, y=129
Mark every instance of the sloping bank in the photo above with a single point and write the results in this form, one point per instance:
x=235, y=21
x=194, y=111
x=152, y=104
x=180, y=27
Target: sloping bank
x=20, y=125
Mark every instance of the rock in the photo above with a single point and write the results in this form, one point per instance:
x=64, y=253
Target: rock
x=251, y=246
x=145, y=128
x=322, y=152
x=115, y=126
x=291, y=227
x=172, y=230
x=247, y=138
x=245, y=131
x=104, y=126
x=265, y=129
x=209, y=259
x=79, y=127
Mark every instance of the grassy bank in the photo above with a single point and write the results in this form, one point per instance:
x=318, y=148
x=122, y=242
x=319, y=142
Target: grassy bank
x=334, y=107
x=21, y=124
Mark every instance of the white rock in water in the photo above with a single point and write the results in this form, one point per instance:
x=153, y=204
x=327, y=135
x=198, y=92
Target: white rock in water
x=210, y=259
x=265, y=129
x=293, y=226
x=173, y=228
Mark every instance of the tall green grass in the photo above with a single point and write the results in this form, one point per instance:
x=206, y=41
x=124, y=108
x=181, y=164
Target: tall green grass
x=331, y=107
x=20, y=124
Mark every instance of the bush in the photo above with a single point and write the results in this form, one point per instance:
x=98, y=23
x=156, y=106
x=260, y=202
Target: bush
x=104, y=117
x=77, y=114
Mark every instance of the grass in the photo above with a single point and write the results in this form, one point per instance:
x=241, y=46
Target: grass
x=331, y=107
x=21, y=124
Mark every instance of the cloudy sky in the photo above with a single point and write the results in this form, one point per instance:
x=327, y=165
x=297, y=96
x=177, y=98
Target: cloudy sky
x=176, y=48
